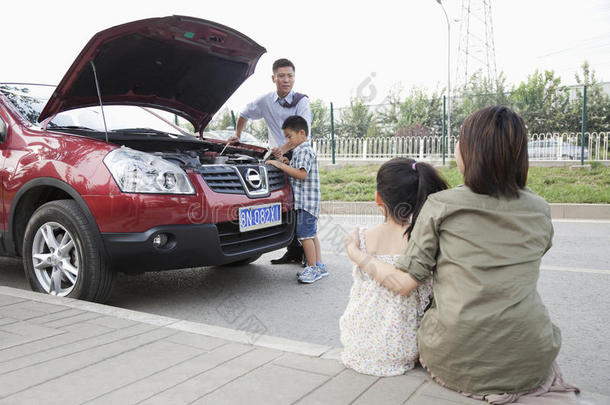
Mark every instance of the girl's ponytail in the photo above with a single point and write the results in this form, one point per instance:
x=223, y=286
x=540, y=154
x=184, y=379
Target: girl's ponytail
x=428, y=182
x=404, y=185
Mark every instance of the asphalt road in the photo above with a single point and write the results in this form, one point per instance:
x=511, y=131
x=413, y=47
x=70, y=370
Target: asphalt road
x=574, y=284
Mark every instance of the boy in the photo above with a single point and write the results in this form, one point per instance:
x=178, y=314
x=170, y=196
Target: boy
x=305, y=180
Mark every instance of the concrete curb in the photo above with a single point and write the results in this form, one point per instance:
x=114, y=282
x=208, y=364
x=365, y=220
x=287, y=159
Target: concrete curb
x=580, y=211
x=238, y=336
x=558, y=211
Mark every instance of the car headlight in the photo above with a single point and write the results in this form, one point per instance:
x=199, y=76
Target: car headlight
x=140, y=172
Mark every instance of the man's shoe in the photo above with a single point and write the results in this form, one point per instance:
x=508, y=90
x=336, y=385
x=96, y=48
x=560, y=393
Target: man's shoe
x=287, y=258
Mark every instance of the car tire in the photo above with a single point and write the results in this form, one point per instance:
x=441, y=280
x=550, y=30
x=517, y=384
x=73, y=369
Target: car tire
x=243, y=262
x=61, y=255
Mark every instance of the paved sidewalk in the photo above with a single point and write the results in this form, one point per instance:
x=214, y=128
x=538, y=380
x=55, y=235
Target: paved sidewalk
x=63, y=351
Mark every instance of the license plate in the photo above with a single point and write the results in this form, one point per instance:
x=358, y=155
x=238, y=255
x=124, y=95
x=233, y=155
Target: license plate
x=260, y=216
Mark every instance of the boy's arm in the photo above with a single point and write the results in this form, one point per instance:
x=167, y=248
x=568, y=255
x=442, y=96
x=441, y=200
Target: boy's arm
x=300, y=174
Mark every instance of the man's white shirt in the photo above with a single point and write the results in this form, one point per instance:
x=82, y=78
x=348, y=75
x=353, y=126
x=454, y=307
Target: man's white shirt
x=269, y=107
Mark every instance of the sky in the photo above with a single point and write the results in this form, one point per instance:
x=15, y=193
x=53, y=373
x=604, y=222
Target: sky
x=341, y=49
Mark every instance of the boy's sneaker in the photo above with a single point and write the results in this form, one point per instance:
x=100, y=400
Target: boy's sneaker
x=322, y=268
x=310, y=275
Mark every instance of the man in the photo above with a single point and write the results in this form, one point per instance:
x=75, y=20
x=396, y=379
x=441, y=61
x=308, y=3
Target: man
x=274, y=108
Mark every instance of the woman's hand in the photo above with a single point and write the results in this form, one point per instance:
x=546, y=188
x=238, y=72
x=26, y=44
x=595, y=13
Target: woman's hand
x=384, y=273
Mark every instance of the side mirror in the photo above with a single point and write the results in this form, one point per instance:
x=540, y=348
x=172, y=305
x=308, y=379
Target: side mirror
x=3, y=130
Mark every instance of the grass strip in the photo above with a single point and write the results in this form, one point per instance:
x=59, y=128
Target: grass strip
x=554, y=184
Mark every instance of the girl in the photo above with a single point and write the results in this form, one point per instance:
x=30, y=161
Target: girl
x=379, y=326
x=487, y=334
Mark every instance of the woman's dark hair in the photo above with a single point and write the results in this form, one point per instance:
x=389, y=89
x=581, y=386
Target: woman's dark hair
x=404, y=186
x=493, y=145
x=282, y=63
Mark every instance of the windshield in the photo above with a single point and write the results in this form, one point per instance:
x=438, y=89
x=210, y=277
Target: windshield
x=31, y=99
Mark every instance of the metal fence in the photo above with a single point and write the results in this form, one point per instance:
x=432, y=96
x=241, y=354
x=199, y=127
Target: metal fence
x=544, y=147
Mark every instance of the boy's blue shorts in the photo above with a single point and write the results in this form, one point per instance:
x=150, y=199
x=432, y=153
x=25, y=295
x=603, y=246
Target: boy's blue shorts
x=307, y=225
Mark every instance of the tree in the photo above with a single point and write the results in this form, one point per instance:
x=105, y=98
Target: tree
x=419, y=114
x=421, y=110
x=222, y=120
x=186, y=125
x=542, y=102
x=258, y=128
x=388, y=115
x=320, y=119
x=356, y=120
x=477, y=93
x=598, y=103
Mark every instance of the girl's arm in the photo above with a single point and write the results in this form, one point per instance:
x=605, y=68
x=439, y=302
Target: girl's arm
x=384, y=273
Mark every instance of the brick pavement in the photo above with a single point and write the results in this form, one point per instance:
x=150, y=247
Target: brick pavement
x=63, y=351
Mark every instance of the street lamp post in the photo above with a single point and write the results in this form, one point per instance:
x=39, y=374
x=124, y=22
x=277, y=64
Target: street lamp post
x=448, y=71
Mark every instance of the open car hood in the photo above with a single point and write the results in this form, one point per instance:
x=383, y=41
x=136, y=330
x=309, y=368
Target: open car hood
x=179, y=64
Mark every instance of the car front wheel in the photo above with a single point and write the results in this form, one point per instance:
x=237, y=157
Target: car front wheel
x=61, y=256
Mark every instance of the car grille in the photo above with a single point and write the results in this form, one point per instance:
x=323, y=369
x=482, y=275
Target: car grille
x=234, y=241
x=277, y=178
x=222, y=179
x=225, y=179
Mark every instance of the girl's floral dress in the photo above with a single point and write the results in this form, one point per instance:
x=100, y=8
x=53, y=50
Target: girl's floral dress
x=379, y=327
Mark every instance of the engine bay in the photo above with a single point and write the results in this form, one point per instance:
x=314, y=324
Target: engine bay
x=193, y=153
x=192, y=159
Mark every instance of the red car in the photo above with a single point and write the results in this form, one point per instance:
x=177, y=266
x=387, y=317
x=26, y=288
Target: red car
x=96, y=177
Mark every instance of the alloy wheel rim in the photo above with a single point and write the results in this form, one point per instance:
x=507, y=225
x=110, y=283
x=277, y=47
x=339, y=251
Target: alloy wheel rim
x=56, y=259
